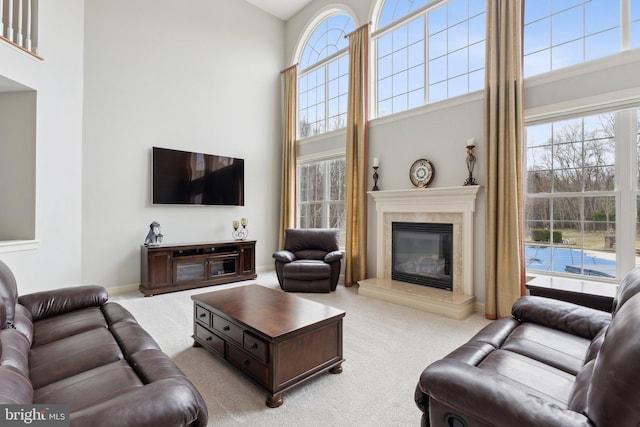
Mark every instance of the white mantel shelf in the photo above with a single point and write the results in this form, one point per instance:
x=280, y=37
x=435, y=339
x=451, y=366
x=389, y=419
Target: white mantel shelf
x=440, y=204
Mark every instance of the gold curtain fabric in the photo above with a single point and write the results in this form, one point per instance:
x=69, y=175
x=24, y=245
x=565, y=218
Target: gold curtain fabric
x=504, y=269
x=289, y=129
x=356, y=157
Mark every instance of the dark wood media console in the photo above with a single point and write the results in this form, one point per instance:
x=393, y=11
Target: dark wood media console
x=169, y=268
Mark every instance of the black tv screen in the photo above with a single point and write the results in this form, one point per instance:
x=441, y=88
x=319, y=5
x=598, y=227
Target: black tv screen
x=186, y=178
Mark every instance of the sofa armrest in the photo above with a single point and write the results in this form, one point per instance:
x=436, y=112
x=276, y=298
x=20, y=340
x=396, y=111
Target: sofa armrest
x=284, y=256
x=565, y=316
x=333, y=256
x=470, y=392
x=58, y=301
x=172, y=402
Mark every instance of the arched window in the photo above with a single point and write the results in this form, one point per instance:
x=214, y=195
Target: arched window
x=323, y=77
x=427, y=51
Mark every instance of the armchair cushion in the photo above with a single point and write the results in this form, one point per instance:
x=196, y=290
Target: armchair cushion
x=284, y=256
x=333, y=256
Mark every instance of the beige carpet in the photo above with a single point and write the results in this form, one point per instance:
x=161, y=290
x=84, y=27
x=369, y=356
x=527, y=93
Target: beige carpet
x=386, y=347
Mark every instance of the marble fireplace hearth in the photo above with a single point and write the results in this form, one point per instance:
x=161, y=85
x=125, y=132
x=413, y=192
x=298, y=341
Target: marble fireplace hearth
x=450, y=205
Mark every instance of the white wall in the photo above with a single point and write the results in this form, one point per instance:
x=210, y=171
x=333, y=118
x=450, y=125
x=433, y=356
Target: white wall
x=199, y=76
x=18, y=165
x=58, y=80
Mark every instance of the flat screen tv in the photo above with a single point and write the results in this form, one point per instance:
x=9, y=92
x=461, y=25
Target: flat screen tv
x=186, y=178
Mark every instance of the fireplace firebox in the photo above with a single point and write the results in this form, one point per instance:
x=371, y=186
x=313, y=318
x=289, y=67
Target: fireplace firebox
x=421, y=253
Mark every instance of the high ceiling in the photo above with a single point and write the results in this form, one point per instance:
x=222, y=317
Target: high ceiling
x=283, y=9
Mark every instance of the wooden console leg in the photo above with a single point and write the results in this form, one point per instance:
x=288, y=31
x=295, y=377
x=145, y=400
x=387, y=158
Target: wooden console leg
x=197, y=344
x=336, y=369
x=274, y=401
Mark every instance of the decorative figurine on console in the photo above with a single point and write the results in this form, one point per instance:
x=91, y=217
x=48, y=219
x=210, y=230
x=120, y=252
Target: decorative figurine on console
x=154, y=237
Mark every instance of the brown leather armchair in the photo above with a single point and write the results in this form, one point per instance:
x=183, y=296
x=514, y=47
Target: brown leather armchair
x=310, y=260
x=553, y=363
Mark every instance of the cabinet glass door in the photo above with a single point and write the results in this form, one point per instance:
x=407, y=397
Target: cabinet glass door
x=223, y=265
x=189, y=271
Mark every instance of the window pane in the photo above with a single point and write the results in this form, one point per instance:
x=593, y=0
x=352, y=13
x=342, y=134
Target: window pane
x=318, y=89
x=569, y=32
x=321, y=195
x=569, y=227
x=454, y=54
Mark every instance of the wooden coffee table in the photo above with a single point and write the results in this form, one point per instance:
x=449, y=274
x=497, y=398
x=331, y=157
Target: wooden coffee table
x=276, y=339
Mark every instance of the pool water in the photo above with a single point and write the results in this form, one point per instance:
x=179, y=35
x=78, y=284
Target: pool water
x=567, y=260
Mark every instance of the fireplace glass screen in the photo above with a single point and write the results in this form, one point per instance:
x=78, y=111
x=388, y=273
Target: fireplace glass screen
x=422, y=254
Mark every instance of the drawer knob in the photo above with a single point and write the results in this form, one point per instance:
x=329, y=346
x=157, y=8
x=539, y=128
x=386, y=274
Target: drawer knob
x=203, y=314
x=226, y=328
x=254, y=346
x=209, y=338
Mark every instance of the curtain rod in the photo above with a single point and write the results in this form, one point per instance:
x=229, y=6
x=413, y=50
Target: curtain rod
x=363, y=25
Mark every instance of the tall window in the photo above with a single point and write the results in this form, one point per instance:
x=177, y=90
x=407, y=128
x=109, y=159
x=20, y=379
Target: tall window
x=321, y=195
x=580, y=191
x=559, y=33
x=323, y=81
x=428, y=51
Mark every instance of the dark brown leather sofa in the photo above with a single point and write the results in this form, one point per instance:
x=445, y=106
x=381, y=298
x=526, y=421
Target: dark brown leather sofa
x=310, y=260
x=552, y=364
x=70, y=346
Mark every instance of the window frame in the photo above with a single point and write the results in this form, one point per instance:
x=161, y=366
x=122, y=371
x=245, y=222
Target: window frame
x=324, y=64
x=394, y=25
x=626, y=191
x=324, y=158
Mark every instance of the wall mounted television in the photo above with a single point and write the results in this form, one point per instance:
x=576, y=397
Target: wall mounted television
x=187, y=178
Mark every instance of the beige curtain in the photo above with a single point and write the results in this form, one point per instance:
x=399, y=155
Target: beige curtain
x=356, y=157
x=289, y=128
x=504, y=274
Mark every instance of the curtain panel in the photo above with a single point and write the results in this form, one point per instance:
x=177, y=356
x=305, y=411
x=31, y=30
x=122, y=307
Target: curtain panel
x=504, y=251
x=289, y=132
x=356, y=157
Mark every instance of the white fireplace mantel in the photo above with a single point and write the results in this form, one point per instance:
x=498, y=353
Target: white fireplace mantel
x=457, y=203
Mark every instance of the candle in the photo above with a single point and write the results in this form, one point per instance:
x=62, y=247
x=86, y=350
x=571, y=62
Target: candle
x=471, y=141
x=376, y=162
x=235, y=225
x=243, y=221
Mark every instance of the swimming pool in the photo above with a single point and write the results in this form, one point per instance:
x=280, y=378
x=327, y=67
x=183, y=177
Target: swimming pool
x=567, y=260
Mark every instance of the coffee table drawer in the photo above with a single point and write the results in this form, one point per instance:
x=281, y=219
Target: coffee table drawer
x=210, y=339
x=203, y=315
x=247, y=364
x=256, y=347
x=228, y=329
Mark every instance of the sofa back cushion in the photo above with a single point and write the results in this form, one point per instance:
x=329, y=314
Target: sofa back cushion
x=8, y=292
x=607, y=389
x=629, y=286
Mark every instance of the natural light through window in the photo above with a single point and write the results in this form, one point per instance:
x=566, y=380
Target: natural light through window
x=575, y=182
x=427, y=52
x=321, y=195
x=323, y=80
x=560, y=33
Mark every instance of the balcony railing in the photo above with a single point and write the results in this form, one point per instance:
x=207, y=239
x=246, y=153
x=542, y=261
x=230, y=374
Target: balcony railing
x=19, y=24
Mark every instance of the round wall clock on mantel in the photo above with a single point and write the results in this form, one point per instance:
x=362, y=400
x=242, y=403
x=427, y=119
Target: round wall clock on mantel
x=421, y=173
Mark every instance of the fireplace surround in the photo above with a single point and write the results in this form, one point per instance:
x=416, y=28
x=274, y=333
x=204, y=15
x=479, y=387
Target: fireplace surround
x=449, y=205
